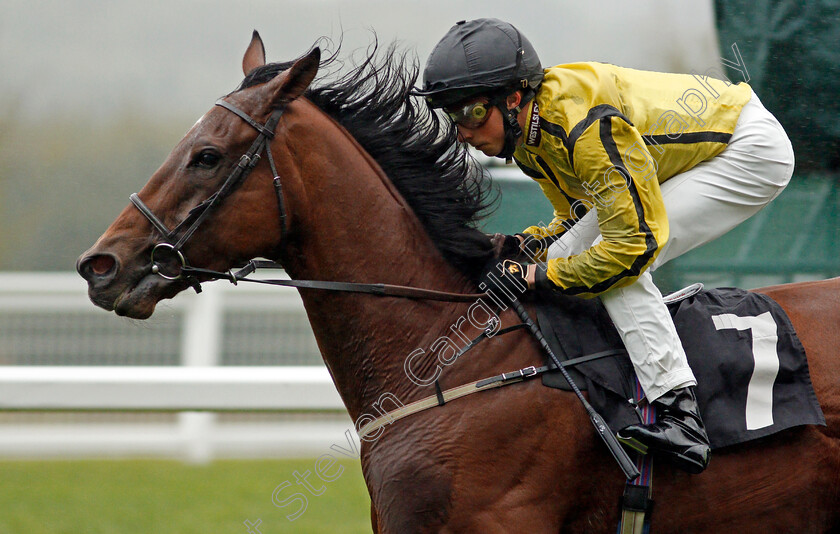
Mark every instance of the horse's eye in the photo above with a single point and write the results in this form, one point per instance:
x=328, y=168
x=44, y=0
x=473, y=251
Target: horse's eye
x=207, y=159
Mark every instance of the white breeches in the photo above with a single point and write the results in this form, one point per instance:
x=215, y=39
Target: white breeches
x=702, y=204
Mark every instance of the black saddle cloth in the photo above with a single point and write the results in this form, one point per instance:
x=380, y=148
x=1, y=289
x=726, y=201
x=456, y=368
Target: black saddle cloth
x=745, y=389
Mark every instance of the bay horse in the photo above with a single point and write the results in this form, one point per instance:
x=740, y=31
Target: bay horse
x=375, y=189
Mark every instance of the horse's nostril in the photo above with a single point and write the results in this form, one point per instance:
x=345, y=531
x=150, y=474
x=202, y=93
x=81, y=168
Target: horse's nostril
x=98, y=266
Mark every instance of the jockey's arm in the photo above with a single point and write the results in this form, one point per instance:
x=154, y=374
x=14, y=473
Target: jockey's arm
x=611, y=164
x=536, y=239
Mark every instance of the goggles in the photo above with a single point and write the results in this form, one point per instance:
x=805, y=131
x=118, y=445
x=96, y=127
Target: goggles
x=470, y=116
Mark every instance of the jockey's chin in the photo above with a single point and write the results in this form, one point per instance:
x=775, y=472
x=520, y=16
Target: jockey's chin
x=488, y=149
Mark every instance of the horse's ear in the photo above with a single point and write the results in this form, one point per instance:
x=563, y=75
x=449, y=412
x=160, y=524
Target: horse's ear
x=255, y=55
x=292, y=83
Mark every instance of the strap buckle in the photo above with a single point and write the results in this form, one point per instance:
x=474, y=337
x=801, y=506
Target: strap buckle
x=521, y=374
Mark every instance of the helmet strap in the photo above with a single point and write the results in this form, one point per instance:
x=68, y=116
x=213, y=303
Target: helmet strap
x=513, y=131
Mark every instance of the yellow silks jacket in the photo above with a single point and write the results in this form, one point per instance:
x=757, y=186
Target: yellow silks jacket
x=603, y=136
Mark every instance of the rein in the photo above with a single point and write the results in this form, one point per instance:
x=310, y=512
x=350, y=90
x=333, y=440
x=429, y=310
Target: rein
x=382, y=290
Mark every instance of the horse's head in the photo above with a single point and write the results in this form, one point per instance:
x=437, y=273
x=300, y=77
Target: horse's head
x=203, y=206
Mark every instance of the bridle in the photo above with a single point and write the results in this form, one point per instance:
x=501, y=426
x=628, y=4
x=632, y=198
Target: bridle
x=169, y=252
x=170, y=249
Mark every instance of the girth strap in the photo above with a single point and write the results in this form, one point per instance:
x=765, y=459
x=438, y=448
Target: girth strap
x=636, y=504
x=442, y=397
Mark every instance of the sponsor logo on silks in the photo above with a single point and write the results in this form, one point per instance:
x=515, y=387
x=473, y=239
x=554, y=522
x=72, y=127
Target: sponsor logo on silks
x=512, y=267
x=534, y=132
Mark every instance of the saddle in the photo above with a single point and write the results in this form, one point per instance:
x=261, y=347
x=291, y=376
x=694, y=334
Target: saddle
x=752, y=373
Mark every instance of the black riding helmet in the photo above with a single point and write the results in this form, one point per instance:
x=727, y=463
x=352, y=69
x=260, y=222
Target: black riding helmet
x=483, y=57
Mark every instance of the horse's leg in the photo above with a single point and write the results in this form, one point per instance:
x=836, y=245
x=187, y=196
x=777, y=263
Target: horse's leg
x=373, y=520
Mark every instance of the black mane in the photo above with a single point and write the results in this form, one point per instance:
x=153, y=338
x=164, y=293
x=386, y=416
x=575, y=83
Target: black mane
x=417, y=150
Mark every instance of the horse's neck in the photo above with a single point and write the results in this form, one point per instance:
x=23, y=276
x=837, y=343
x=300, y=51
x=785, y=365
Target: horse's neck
x=354, y=226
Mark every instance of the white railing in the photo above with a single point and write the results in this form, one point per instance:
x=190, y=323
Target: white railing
x=34, y=309
x=167, y=389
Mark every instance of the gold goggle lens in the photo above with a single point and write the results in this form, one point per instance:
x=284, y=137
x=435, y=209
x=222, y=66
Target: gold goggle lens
x=470, y=116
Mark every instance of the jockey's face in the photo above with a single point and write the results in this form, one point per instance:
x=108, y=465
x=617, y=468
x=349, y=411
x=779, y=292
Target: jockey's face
x=484, y=132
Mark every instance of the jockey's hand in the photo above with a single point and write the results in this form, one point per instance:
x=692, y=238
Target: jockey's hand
x=505, y=278
x=506, y=246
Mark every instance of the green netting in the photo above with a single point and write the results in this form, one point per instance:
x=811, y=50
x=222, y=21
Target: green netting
x=790, y=51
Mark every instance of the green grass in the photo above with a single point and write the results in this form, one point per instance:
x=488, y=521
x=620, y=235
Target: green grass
x=152, y=496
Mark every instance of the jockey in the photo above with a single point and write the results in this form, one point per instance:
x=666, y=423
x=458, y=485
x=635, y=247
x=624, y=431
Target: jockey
x=640, y=168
